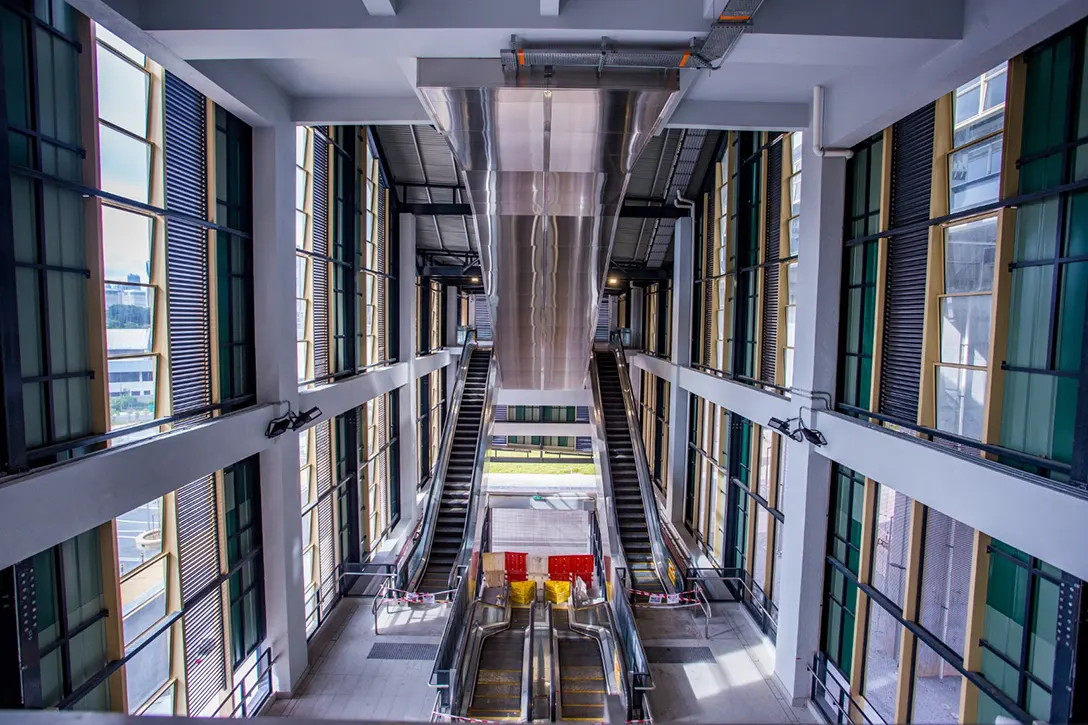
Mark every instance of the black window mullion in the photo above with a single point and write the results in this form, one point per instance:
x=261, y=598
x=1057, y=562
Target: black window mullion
x=12, y=422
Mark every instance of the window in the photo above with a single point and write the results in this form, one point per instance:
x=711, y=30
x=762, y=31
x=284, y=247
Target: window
x=965, y=311
x=242, y=512
x=1049, y=271
x=790, y=272
x=54, y=373
x=304, y=293
x=234, y=256
x=654, y=404
x=863, y=196
x=131, y=240
x=844, y=546
x=374, y=287
x=708, y=476
x=377, y=470
x=146, y=570
x=978, y=118
x=1020, y=632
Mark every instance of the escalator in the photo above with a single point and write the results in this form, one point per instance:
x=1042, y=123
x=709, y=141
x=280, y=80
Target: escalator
x=498, y=691
x=630, y=507
x=582, y=685
x=449, y=533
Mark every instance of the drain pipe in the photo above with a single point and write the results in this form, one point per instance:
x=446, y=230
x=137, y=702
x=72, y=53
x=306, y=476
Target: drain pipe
x=818, y=128
x=682, y=203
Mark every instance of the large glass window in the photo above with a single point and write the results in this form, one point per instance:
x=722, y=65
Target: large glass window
x=789, y=270
x=975, y=163
x=242, y=512
x=863, y=196
x=377, y=471
x=1049, y=271
x=146, y=570
x=130, y=248
x=844, y=546
x=304, y=295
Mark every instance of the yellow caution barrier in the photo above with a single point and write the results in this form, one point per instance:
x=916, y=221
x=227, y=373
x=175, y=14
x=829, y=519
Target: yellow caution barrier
x=522, y=592
x=557, y=592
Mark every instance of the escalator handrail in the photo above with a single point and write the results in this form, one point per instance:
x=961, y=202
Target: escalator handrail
x=649, y=501
x=416, y=556
x=487, y=424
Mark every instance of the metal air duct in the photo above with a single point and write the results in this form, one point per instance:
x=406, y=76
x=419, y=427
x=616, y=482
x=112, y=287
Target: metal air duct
x=546, y=159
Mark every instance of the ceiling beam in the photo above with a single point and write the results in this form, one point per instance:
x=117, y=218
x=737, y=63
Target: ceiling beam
x=381, y=8
x=628, y=211
x=740, y=115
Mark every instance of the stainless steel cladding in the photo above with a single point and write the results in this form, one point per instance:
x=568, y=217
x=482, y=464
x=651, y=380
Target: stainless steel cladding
x=546, y=162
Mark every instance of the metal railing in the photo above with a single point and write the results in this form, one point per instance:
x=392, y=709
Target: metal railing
x=645, y=484
x=412, y=560
x=841, y=707
x=251, y=691
x=635, y=662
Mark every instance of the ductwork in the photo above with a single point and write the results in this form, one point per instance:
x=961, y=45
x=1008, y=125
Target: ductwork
x=546, y=159
x=707, y=52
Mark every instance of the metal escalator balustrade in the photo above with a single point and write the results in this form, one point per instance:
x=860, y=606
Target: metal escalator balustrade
x=626, y=489
x=453, y=512
x=582, y=685
x=499, y=688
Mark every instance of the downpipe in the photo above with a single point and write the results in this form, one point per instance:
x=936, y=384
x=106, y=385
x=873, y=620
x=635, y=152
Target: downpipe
x=818, y=128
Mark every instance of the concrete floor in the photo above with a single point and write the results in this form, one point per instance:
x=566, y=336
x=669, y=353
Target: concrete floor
x=344, y=684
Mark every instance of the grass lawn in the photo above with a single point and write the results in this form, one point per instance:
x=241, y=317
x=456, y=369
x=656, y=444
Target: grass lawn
x=533, y=464
x=547, y=469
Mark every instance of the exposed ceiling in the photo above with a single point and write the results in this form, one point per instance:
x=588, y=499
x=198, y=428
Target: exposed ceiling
x=424, y=172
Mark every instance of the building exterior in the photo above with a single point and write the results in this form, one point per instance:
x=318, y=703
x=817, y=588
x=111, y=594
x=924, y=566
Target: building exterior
x=857, y=348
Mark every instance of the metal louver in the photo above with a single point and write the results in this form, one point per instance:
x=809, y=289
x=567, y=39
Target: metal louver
x=773, y=213
x=483, y=318
x=187, y=285
x=202, y=623
x=325, y=531
x=904, y=310
x=321, y=247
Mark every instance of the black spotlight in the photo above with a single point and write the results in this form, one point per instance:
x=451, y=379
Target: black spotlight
x=278, y=426
x=782, y=426
x=301, y=420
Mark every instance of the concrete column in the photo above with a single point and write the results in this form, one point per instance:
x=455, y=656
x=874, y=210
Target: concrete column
x=406, y=273
x=679, y=399
x=274, y=324
x=804, y=534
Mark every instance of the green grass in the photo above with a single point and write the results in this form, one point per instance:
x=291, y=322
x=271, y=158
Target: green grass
x=550, y=469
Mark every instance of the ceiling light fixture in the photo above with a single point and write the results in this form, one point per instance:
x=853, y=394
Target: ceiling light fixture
x=475, y=279
x=613, y=281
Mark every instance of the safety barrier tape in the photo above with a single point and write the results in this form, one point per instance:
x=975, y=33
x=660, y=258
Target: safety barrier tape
x=667, y=599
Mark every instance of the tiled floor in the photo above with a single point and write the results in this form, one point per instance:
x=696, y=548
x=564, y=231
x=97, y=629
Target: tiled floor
x=343, y=684
x=739, y=687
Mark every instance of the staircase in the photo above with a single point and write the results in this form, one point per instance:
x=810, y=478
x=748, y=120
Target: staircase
x=453, y=510
x=497, y=695
x=634, y=534
x=582, y=688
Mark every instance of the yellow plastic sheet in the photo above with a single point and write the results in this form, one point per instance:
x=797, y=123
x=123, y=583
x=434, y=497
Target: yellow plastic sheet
x=522, y=592
x=557, y=592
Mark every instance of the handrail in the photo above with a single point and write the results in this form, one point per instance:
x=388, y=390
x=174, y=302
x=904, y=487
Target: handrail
x=487, y=424
x=649, y=501
x=554, y=693
x=630, y=644
x=240, y=694
x=412, y=561
x=527, y=653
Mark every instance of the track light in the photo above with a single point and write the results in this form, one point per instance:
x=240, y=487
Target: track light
x=301, y=420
